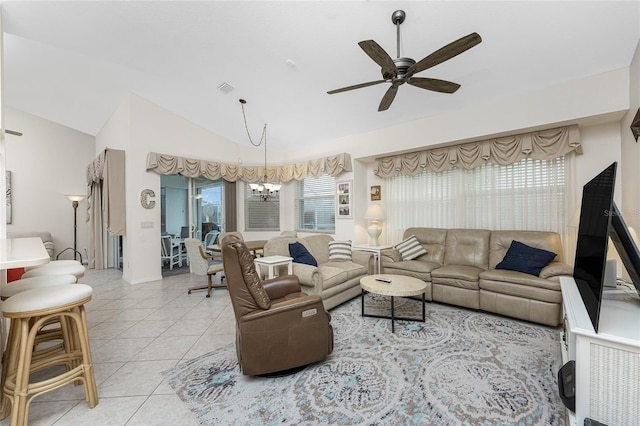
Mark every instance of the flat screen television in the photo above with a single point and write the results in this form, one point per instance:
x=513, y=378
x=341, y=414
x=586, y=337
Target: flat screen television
x=593, y=239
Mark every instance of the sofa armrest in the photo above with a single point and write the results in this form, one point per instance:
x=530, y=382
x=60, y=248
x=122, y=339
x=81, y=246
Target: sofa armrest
x=391, y=255
x=555, y=269
x=361, y=257
x=309, y=276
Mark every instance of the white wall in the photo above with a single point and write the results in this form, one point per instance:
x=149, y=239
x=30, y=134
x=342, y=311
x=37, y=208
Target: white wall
x=47, y=162
x=591, y=102
x=597, y=103
x=631, y=150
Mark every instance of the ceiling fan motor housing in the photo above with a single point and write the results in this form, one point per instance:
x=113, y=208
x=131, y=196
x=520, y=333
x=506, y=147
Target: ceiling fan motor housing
x=402, y=64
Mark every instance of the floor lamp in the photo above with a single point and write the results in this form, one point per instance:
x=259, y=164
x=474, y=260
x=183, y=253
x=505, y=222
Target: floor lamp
x=75, y=199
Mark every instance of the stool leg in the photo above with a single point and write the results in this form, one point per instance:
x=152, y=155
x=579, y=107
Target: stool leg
x=9, y=363
x=91, y=390
x=19, y=403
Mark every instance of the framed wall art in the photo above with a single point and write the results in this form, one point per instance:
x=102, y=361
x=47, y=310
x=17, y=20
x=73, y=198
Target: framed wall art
x=343, y=200
x=375, y=193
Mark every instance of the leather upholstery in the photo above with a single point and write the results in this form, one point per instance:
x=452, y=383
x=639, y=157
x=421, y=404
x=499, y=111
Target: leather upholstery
x=459, y=269
x=468, y=247
x=277, y=326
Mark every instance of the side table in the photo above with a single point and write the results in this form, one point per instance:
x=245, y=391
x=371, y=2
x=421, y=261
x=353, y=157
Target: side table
x=376, y=253
x=271, y=262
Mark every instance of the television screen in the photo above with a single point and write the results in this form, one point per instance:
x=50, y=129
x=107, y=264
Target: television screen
x=625, y=246
x=593, y=239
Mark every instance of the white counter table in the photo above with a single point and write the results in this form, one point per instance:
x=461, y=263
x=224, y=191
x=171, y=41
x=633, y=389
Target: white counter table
x=21, y=252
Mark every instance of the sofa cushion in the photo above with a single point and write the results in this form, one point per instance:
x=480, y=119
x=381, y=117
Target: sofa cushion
x=411, y=265
x=519, y=284
x=523, y=258
x=340, y=251
x=410, y=248
x=300, y=254
x=501, y=242
x=457, y=272
x=352, y=269
x=467, y=247
x=318, y=246
x=332, y=276
x=433, y=241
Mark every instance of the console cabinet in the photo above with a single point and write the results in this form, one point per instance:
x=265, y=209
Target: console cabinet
x=608, y=362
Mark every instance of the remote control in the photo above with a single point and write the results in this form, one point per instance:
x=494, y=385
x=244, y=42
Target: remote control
x=384, y=280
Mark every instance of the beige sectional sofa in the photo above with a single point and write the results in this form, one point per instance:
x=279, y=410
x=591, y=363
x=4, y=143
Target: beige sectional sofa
x=459, y=269
x=336, y=282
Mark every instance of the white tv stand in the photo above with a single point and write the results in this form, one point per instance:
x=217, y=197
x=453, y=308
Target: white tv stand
x=608, y=362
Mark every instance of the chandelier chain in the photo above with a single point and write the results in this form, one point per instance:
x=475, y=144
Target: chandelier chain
x=264, y=129
x=265, y=190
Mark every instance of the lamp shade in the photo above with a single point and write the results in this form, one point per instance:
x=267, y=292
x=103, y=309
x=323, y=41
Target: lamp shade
x=75, y=197
x=374, y=212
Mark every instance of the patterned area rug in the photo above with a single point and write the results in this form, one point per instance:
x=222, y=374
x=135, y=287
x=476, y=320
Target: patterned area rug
x=460, y=367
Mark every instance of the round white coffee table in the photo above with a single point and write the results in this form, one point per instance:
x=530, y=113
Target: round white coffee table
x=399, y=286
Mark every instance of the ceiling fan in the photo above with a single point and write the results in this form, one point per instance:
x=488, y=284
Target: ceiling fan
x=401, y=70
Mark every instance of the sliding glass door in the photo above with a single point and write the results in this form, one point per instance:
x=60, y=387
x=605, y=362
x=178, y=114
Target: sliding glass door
x=191, y=207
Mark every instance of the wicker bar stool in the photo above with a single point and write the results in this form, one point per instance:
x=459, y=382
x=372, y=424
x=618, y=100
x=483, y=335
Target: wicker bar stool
x=48, y=332
x=53, y=262
x=28, y=311
x=14, y=287
x=54, y=268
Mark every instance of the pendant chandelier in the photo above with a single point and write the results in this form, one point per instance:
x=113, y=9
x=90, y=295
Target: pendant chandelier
x=265, y=189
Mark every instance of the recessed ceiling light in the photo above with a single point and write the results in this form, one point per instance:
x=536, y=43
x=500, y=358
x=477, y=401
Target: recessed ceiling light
x=226, y=88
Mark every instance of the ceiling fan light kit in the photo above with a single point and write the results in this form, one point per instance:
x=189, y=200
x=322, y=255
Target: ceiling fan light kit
x=402, y=69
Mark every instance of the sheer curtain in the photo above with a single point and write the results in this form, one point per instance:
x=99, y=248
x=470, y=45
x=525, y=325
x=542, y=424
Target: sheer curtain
x=527, y=195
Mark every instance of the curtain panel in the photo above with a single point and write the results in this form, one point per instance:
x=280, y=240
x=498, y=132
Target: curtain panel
x=541, y=145
x=105, y=202
x=166, y=164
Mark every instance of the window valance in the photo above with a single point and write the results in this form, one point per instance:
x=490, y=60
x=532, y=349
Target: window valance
x=541, y=145
x=165, y=164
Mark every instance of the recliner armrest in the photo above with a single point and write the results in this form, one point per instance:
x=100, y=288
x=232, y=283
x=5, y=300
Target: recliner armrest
x=279, y=287
x=391, y=255
x=555, y=269
x=302, y=302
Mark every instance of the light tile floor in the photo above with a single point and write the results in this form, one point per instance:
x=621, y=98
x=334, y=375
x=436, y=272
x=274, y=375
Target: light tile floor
x=135, y=332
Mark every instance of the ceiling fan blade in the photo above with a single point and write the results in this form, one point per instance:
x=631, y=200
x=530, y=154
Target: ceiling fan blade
x=434, y=84
x=380, y=57
x=356, y=86
x=388, y=98
x=445, y=53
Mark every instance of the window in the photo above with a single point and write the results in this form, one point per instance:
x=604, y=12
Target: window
x=315, y=204
x=527, y=195
x=260, y=215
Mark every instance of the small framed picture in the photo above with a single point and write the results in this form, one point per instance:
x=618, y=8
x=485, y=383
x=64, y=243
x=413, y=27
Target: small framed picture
x=343, y=200
x=375, y=193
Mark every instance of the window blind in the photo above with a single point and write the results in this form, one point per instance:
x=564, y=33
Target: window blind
x=315, y=204
x=261, y=215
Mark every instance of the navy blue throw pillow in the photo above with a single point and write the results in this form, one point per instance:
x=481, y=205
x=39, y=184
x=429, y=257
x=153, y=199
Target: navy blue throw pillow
x=523, y=258
x=300, y=254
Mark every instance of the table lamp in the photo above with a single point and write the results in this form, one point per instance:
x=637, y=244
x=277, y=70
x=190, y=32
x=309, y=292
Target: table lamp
x=374, y=214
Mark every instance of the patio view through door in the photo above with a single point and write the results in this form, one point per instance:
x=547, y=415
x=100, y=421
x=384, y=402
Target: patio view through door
x=191, y=207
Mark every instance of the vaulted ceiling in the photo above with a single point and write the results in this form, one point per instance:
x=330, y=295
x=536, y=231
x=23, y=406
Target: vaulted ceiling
x=74, y=62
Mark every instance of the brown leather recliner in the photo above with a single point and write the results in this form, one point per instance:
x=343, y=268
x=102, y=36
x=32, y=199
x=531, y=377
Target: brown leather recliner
x=277, y=326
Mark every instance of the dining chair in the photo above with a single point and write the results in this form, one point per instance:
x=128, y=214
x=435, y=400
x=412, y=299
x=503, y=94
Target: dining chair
x=210, y=239
x=170, y=251
x=201, y=263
